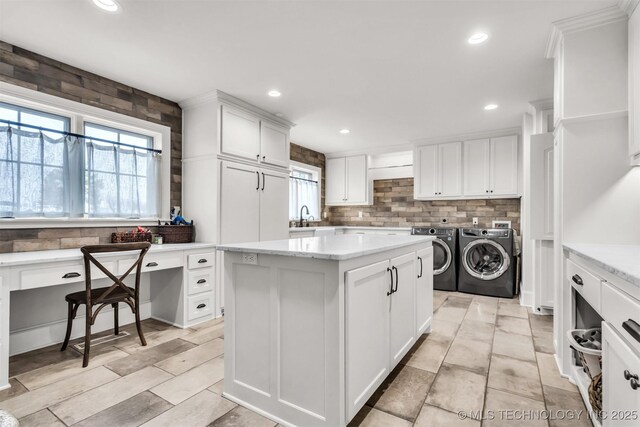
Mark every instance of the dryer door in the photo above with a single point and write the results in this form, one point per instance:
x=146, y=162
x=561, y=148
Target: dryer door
x=442, y=256
x=485, y=259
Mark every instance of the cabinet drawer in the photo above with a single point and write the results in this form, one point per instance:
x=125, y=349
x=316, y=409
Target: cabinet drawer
x=587, y=284
x=207, y=259
x=199, y=306
x=58, y=275
x=622, y=312
x=152, y=262
x=200, y=281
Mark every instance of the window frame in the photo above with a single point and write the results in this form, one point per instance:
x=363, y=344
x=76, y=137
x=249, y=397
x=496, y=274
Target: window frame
x=316, y=172
x=78, y=114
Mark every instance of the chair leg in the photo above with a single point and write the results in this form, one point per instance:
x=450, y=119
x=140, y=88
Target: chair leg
x=69, y=325
x=138, y=325
x=116, y=329
x=87, y=339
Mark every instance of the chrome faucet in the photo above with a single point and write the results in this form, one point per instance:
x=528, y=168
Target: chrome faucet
x=301, y=224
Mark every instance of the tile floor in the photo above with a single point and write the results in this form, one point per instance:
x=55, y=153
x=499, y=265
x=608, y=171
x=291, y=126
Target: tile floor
x=483, y=354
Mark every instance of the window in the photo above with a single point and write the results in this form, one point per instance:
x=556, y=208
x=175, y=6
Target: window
x=120, y=180
x=50, y=174
x=304, y=189
x=32, y=165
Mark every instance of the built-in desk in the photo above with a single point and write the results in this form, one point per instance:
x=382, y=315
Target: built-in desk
x=181, y=290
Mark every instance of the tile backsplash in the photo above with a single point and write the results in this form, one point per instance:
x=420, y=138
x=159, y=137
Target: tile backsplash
x=394, y=206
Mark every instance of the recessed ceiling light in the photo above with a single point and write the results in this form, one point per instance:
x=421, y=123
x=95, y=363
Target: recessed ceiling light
x=489, y=107
x=108, y=5
x=274, y=93
x=344, y=131
x=478, y=38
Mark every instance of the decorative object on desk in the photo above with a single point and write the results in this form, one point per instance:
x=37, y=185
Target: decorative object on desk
x=138, y=235
x=180, y=232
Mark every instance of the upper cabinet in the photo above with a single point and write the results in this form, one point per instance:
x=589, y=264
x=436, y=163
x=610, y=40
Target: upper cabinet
x=438, y=171
x=347, y=181
x=477, y=168
x=246, y=135
x=634, y=87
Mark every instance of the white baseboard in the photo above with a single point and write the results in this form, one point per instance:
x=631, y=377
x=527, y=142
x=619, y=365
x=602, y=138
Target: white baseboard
x=526, y=298
x=48, y=334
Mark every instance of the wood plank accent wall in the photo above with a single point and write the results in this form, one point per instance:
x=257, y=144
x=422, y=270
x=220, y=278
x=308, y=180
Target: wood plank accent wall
x=24, y=68
x=394, y=206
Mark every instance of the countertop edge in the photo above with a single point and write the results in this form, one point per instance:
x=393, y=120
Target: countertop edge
x=616, y=271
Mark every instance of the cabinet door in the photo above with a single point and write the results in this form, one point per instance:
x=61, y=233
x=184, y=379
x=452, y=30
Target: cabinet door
x=541, y=186
x=504, y=166
x=475, y=169
x=274, y=144
x=240, y=133
x=450, y=169
x=367, y=332
x=356, y=180
x=335, y=181
x=634, y=86
x=239, y=203
x=402, y=322
x=424, y=289
x=426, y=171
x=618, y=397
x=274, y=205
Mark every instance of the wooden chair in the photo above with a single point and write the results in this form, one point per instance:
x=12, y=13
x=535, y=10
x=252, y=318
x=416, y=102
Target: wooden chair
x=112, y=295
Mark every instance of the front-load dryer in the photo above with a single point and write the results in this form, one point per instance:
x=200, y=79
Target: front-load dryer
x=487, y=265
x=444, y=255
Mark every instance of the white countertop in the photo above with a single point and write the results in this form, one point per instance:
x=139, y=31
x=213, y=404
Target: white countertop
x=620, y=260
x=338, y=247
x=21, y=258
x=347, y=227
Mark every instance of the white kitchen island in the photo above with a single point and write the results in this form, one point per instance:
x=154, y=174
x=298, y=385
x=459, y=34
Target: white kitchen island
x=314, y=325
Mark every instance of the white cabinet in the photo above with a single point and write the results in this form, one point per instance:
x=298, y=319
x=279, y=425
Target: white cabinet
x=438, y=171
x=424, y=290
x=274, y=144
x=620, y=383
x=402, y=326
x=246, y=135
x=253, y=204
x=491, y=166
x=239, y=133
x=367, y=332
x=347, y=181
x=634, y=87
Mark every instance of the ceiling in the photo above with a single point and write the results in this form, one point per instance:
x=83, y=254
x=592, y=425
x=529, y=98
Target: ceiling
x=391, y=71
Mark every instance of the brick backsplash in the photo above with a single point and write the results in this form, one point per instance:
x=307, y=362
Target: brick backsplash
x=394, y=206
x=24, y=68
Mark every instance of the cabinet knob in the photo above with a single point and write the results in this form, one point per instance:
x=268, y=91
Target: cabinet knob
x=629, y=376
x=257, y=156
x=264, y=157
x=634, y=383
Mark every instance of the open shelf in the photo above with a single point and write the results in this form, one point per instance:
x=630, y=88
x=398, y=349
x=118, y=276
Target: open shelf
x=583, y=381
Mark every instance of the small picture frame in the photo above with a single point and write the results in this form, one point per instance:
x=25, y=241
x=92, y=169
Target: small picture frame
x=501, y=224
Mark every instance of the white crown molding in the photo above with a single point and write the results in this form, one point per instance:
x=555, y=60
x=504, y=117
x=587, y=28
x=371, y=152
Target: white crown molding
x=237, y=102
x=371, y=151
x=583, y=22
x=609, y=115
x=469, y=136
x=628, y=6
x=197, y=100
x=540, y=104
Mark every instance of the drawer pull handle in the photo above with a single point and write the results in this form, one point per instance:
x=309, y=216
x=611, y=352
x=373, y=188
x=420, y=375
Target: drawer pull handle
x=420, y=275
x=202, y=281
x=391, y=277
x=152, y=264
x=629, y=376
x=633, y=328
x=202, y=260
x=201, y=306
x=577, y=280
x=70, y=275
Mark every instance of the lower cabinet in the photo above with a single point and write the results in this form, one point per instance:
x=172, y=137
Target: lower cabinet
x=381, y=305
x=620, y=380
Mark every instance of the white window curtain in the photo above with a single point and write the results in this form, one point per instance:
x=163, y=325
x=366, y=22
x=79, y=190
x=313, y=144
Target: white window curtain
x=39, y=175
x=303, y=192
x=122, y=182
